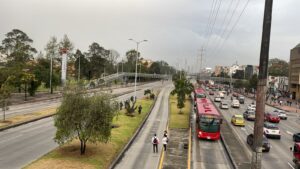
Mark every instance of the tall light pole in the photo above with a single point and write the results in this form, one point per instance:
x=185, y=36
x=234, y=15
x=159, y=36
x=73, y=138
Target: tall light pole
x=79, y=69
x=51, y=72
x=136, y=60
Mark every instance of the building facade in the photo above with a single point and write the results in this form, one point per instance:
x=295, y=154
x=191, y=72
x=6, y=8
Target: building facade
x=294, y=72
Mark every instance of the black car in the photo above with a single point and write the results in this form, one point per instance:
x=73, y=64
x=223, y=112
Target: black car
x=242, y=99
x=296, y=137
x=266, y=145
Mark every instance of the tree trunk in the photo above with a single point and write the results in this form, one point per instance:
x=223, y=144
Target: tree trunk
x=82, y=147
x=25, y=89
x=4, y=109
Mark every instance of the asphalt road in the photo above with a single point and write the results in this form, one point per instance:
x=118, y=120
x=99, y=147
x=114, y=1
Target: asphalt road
x=42, y=105
x=140, y=154
x=205, y=152
x=21, y=145
x=280, y=155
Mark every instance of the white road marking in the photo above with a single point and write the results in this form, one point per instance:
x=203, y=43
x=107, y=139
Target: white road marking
x=291, y=165
x=290, y=133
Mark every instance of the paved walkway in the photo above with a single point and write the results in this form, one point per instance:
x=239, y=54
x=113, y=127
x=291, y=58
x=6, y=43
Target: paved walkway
x=293, y=108
x=140, y=155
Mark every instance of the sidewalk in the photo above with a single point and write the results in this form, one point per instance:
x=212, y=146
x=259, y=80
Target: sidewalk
x=293, y=108
x=140, y=154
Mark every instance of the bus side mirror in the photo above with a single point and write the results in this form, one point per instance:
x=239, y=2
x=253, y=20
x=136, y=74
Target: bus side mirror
x=291, y=148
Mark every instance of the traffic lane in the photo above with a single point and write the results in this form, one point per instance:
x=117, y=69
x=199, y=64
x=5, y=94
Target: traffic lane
x=46, y=104
x=23, y=144
x=205, y=152
x=279, y=155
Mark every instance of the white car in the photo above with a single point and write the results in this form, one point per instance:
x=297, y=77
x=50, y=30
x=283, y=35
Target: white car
x=271, y=130
x=235, y=104
x=224, y=105
x=251, y=107
x=217, y=99
x=281, y=114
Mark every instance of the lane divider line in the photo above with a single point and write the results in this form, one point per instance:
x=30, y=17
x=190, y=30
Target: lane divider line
x=291, y=165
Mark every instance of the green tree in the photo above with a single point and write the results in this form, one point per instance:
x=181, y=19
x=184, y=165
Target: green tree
x=253, y=81
x=183, y=87
x=85, y=118
x=147, y=92
x=130, y=106
x=278, y=67
x=16, y=46
x=131, y=59
x=98, y=58
x=5, y=93
x=84, y=64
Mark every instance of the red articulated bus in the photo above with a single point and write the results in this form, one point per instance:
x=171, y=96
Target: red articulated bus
x=208, y=120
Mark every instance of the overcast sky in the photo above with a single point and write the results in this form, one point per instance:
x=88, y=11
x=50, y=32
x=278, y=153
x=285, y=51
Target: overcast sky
x=175, y=29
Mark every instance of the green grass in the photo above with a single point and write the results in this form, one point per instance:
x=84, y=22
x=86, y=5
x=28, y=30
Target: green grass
x=98, y=155
x=177, y=119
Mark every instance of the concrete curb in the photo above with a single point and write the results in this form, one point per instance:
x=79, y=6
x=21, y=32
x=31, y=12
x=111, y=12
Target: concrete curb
x=26, y=122
x=126, y=147
x=43, y=117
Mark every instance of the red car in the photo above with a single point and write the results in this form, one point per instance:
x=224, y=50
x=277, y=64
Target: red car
x=272, y=117
x=235, y=95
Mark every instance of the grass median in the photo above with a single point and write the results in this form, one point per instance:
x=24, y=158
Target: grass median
x=26, y=117
x=98, y=155
x=179, y=120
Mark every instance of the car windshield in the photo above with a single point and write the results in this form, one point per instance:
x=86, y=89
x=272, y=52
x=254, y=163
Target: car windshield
x=251, y=112
x=239, y=118
x=224, y=104
x=209, y=124
x=271, y=126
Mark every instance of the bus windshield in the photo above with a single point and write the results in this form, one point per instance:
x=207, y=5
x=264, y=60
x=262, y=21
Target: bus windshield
x=209, y=124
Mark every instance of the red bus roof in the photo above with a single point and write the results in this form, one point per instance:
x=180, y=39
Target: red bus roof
x=206, y=107
x=199, y=90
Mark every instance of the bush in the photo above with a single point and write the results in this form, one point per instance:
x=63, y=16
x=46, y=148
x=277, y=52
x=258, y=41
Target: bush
x=152, y=96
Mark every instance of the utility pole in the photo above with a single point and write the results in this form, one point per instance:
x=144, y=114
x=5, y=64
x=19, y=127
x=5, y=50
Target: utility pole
x=261, y=87
x=79, y=69
x=201, y=57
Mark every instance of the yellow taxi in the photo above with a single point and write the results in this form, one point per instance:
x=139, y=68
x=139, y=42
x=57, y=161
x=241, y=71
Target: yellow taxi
x=238, y=120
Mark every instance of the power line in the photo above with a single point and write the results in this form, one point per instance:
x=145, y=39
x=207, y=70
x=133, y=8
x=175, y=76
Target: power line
x=212, y=27
x=235, y=24
x=228, y=23
x=209, y=18
x=224, y=19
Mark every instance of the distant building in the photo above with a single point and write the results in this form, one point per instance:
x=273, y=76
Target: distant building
x=249, y=71
x=218, y=70
x=294, y=72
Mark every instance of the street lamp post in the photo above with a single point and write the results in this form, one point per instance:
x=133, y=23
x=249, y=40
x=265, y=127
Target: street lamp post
x=136, y=60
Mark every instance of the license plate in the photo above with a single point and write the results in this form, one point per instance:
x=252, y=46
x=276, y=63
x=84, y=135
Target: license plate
x=208, y=137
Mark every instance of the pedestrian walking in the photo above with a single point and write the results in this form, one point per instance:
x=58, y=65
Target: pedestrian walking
x=165, y=142
x=140, y=109
x=155, y=142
